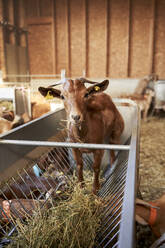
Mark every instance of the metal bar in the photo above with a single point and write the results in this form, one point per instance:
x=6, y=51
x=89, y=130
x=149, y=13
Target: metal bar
x=107, y=244
x=112, y=229
x=65, y=144
x=35, y=75
x=127, y=216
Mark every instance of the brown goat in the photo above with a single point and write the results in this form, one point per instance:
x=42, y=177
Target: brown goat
x=8, y=115
x=39, y=109
x=29, y=186
x=92, y=118
x=6, y=125
x=143, y=101
x=143, y=83
x=153, y=214
x=11, y=209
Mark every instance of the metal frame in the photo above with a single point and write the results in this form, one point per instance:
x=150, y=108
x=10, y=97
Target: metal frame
x=120, y=185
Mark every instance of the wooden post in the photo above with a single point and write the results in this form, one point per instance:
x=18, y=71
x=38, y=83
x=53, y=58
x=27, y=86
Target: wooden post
x=68, y=38
x=152, y=37
x=54, y=35
x=108, y=38
x=11, y=20
x=2, y=41
x=22, y=22
x=84, y=39
x=129, y=39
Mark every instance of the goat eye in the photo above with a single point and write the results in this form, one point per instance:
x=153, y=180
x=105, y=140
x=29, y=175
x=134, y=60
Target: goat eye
x=86, y=95
x=62, y=97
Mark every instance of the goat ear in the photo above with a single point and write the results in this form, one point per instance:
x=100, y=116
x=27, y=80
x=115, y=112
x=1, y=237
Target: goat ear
x=140, y=220
x=98, y=87
x=49, y=93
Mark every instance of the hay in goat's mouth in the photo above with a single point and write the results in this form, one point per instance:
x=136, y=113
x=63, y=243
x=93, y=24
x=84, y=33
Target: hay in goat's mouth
x=72, y=222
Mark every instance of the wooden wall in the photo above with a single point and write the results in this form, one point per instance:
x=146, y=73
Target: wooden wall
x=13, y=40
x=106, y=38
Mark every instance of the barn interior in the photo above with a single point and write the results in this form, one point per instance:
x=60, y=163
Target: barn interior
x=45, y=41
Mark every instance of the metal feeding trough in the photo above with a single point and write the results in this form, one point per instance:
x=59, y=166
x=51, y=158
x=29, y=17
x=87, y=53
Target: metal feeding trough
x=27, y=153
x=159, y=89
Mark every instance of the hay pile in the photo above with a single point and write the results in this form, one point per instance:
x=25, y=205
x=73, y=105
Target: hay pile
x=72, y=222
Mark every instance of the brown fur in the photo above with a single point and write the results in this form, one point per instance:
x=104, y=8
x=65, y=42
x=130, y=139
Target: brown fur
x=6, y=125
x=92, y=118
x=39, y=109
x=30, y=186
x=8, y=115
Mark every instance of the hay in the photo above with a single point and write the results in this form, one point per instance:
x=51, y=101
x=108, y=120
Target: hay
x=72, y=222
x=8, y=105
x=152, y=159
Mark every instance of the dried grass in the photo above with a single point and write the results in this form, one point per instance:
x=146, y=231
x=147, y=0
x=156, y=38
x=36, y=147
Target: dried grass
x=152, y=158
x=72, y=222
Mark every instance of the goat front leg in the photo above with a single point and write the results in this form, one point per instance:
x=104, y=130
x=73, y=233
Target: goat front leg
x=79, y=163
x=96, y=167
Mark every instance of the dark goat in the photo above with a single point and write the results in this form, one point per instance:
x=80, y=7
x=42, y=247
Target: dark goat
x=29, y=186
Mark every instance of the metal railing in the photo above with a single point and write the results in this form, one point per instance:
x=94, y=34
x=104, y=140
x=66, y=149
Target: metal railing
x=118, y=190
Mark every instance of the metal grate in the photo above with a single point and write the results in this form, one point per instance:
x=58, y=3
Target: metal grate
x=53, y=169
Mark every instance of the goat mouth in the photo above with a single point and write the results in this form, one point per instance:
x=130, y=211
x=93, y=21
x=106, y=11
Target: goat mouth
x=77, y=124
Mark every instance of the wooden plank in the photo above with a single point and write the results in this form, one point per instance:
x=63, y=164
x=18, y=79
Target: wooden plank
x=77, y=37
x=11, y=60
x=151, y=38
x=39, y=20
x=159, y=58
x=140, y=50
x=54, y=45
x=1, y=34
x=129, y=37
x=22, y=22
x=118, y=38
x=96, y=38
x=46, y=7
x=11, y=20
x=31, y=7
x=84, y=40
x=107, y=37
x=68, y=48
x=62, y=35
x=40, y=49
x=2, y=43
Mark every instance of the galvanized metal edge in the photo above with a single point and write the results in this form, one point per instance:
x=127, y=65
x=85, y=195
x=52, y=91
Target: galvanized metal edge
x=127, y=226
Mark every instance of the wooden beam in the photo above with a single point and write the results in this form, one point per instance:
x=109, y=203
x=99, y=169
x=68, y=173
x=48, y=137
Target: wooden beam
x=39, y=20
x=54, y=36
x=84, y=38
x=108, y=38
x=11, y=20
x=2, y=45
x=152, y=37
x=68, y=38
x=22, y=22
x=129, y=39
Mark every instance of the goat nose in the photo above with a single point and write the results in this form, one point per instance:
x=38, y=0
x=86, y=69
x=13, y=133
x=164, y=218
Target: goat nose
x=76, y=117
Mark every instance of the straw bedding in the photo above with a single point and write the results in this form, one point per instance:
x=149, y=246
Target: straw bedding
x=70, y=222
x=152, y=169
